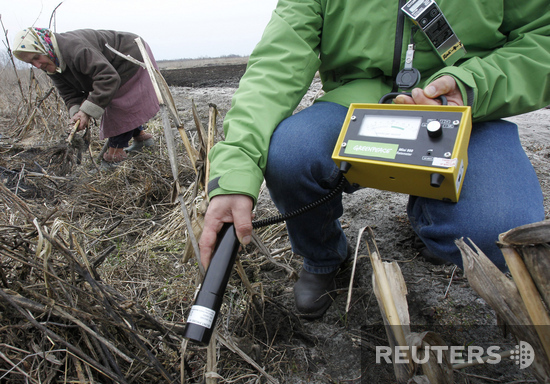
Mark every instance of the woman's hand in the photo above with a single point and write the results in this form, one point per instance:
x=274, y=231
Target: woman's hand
x=83, y=118
x=444, y=85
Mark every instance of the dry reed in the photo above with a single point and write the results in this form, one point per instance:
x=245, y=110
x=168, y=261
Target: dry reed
x=93, y=285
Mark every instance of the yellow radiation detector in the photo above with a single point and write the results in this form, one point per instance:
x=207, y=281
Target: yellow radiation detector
x=419, y=150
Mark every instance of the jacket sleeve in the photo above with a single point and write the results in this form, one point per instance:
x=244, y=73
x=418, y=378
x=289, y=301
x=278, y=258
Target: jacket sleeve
x=514, y=78
x=105, y=80
x=72, y=97
x=279, y=73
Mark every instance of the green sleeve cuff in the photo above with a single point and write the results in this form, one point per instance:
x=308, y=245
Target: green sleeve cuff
x=236, y=182
x=464, y=80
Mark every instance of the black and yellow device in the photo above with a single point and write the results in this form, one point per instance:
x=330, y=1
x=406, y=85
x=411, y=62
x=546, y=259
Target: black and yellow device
x=419, y=150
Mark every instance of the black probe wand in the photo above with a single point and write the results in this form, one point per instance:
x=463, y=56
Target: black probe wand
x=204, y=312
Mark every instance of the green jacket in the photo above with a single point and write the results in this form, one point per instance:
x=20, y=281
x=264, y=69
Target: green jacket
x=351, y=43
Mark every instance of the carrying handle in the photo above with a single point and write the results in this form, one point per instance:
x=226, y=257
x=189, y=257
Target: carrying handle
x=390, y=96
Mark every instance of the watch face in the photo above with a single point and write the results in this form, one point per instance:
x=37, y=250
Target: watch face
x=390, y=127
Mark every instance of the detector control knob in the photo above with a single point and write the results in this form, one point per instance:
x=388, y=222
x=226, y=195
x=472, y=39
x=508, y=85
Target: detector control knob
x=436, y=179
x=434, y=129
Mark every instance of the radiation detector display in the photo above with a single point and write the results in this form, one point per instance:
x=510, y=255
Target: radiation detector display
x=419, y=150
x=391, y=127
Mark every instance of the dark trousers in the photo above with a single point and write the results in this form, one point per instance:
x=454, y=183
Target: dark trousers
x=122, y=140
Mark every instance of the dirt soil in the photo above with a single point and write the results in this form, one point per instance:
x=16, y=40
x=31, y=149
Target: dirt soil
x=338, y=348
x=206, y=76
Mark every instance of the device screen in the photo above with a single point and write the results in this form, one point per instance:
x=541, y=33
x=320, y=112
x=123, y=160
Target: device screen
x=390, y=127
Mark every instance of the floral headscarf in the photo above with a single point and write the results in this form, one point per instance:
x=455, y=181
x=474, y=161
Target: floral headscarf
x=36, y=40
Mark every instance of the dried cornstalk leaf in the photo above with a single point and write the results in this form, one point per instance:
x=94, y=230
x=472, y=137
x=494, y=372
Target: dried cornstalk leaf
x=390, y=290
x=203, y=140
x=37, y=307
x=531, y=242
x=14, y=202
x=437, y=368
x=535, y=233
x=211, y=375
x=537, y=260
x=503, y=296
x=232, y=347
x=530, y=295
x=420, y=380
x=212, y=113
x=264, y=250
x=350, y=286
x=244, y=278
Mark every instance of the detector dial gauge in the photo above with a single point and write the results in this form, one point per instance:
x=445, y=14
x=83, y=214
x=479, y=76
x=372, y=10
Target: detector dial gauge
x=391, y=127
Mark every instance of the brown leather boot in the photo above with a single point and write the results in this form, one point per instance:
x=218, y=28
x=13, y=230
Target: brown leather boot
x=143, y=136
x=143, y=140
x=115, y=155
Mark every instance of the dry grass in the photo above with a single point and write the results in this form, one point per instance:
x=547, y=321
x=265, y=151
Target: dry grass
x=93, y=287
x=27, y=98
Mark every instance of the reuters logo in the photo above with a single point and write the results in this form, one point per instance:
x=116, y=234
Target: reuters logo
x=523, y=354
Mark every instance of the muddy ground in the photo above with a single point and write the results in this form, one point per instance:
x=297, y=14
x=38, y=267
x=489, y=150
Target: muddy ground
x=340, y=347
x=224, y=76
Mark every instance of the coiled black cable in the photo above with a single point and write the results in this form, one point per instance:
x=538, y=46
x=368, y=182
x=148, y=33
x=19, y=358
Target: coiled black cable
x=283, y=217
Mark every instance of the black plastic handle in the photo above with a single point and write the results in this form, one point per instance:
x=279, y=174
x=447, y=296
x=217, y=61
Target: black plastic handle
x=392, y=95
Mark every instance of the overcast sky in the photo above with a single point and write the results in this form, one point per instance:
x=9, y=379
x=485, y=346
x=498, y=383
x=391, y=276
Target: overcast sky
x=174, y=29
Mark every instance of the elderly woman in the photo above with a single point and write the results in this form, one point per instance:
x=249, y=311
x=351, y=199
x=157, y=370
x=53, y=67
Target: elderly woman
x=96, y=82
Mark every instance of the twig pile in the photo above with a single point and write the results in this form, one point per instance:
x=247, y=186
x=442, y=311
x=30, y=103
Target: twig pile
x=98, y=269
x=58, y=314
x=96, y=273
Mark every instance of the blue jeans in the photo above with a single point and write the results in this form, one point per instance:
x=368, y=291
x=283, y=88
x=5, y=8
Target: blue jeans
x=500, y=190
